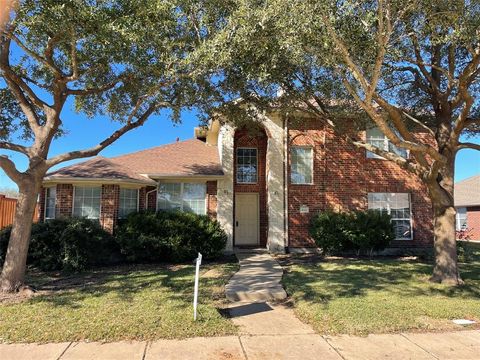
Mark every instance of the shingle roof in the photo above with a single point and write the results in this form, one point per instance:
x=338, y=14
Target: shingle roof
x=98, y=168
x=183, y=158
x=467, y=192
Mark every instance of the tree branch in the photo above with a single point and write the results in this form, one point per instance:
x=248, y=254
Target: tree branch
x=468, y=145
x=14, y=147
x=9, y=167
x=103, y=144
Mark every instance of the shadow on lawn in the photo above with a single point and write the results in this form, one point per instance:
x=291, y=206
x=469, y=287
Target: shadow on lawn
x=325, y=281
x=124, y=283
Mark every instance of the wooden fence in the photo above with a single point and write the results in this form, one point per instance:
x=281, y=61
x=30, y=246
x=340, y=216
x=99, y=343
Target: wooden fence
x=7, y=211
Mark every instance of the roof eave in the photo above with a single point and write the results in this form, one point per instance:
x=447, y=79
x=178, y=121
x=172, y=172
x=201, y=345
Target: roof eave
x=70, y=179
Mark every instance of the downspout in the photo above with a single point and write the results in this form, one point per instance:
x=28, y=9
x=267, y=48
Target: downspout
x=146, y=198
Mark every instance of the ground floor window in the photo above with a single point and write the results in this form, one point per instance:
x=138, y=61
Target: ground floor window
x=50, y=199
x=461, y=219
x=397, y=205
x=128, y=200
x=86, y=201
x=188, y=197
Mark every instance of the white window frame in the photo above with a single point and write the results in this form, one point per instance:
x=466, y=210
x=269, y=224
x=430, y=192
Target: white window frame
x=120, y=202
x=182, y=184
x=399, y=219
x=386, y=144
x=101, y=196
x=46, y=203
x=458, y=226
x=312, y=168
x=236, y=164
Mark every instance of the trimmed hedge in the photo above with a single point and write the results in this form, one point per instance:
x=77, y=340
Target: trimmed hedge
x=359, y=231
x=71, y=244
x=170, y=236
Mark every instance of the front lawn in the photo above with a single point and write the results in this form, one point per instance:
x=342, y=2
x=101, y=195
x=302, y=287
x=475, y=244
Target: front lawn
x=136, y=302
x=349, y=296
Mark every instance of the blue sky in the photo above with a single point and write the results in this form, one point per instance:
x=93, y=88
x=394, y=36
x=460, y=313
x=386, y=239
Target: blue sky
x=84, y=132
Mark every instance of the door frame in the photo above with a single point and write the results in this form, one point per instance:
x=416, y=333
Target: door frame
x=257, y=195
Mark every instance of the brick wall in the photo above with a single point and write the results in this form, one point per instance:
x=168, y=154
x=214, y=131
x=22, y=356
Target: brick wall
x=259, y=140
x=473, y=222
x=109, y=207
x=343, y=177
x=41, y=204
x=64, y=203
x=212, y=199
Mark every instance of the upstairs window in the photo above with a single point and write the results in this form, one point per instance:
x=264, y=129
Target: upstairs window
x=377, y=138
x=86, y=201
x=50, y=200
x=247, y=165
x=128, y=202
x=301, y=171
x=397, y=205
x=189, y=197
x=461, y=219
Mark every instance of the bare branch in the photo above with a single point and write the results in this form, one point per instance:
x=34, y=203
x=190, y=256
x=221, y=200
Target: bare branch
x=407, y=164
x=468, y=145
x=14, y=147
x=103, y=144
x=418, y=122
x=8, y=166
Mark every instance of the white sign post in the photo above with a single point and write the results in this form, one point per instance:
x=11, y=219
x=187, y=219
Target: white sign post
x=195, y=293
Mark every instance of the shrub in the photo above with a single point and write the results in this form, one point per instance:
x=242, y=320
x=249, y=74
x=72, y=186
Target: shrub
x=71, y=244
x=361, y=231
x=169, y=236
x=370, y=231
x=328, y=230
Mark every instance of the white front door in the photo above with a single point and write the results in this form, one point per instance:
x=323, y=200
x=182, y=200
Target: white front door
x=247, y=219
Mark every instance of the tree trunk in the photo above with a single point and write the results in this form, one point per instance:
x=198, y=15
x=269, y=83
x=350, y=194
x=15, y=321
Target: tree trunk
x=441, y=192
x=14, y=267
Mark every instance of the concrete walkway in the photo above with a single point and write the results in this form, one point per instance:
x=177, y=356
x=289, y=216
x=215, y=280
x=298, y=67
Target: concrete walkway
x=257, y=280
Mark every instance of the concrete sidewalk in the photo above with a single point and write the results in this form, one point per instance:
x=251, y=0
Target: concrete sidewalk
x=451, y=345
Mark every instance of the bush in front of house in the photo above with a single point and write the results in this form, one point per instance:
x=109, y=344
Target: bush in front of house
x=359, y=231
x=169, y=236
x=71, y=244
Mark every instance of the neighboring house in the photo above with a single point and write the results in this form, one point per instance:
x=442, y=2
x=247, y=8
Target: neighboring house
x=467, y=203
x=262, y=185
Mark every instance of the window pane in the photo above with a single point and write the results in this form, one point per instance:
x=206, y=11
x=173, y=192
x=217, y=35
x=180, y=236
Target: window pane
x=246, y=165
x=398, y=206
x=86, y=202
x=376, y=138
x=128, y=202
x=169, y=196
x=461, y=219
x=50, y=199
x=301, y=165
x=194, y=198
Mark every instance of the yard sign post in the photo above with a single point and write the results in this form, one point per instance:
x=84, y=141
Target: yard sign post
x=195, y=293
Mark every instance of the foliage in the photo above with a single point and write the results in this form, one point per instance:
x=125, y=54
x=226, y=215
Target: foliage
x=359, y=297
x=120, y=303
x=464, y=247
x=362, y=231
x=71, y=244
x=170, y=236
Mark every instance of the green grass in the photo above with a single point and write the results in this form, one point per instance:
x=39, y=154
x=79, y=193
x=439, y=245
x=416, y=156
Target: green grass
x=380, y=296
x=148, y=302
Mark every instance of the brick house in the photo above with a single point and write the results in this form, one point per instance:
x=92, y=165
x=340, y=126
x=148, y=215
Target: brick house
x=262, y=185
x=467, y=203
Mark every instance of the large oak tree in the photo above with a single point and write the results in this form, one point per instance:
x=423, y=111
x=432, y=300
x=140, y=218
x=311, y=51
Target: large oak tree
x=126, y=59
x=405, y=66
